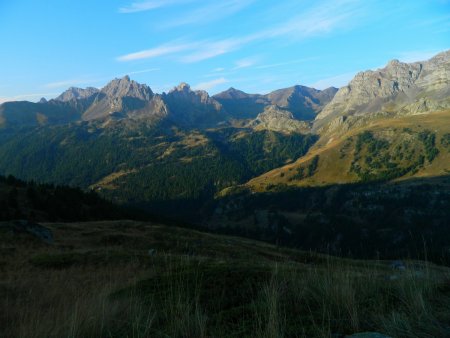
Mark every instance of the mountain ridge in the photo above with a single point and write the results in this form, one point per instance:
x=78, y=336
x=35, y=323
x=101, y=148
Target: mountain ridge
x=123, y=98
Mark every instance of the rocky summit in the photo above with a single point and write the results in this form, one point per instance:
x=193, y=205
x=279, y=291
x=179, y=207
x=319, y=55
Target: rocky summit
x=399, y=89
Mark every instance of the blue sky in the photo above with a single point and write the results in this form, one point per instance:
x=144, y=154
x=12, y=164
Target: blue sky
x=253, y=45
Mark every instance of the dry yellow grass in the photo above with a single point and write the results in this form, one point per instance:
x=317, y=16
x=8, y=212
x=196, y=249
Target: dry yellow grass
x=107, y=182
x=335, y=169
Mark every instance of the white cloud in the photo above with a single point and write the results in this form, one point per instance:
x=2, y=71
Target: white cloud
x=333, y=81
x=207, y=49
x=143, y=71
x=210, y=12
x=280, y=64
x=244, y=63
x=157, y=51
x=210, y=84
x=322, y=19
x=142, y=6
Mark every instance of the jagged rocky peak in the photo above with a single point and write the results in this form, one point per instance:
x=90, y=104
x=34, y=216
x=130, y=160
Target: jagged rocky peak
x=183, y=87
x=125, y=87
x=398, y=82
x=184, y=92
x=43, y=100
x=74, y=93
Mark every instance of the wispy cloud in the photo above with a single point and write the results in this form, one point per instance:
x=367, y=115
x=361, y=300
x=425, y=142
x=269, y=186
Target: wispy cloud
x=244, y=63
x=321, y=19
x=208, y=49
x=142, y=6
x=211, y=12
x=210, y=84
x=150, y=70
x=165, y=49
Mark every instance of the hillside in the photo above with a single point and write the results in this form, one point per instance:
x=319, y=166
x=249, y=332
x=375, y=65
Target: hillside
x=383, y=149
x=122, y=278
x=246, y=164
x=140, y=165
x=47, y=202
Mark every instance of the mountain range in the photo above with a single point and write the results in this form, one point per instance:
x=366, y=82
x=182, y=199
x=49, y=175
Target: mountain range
x=124, y=99
x=216, y=159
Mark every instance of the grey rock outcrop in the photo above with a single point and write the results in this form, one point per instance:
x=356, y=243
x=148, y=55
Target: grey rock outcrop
x=193, y=108
x=125, y=87
x=74, y=93
x=277, y=119
x=398, y=88
x=124, y=98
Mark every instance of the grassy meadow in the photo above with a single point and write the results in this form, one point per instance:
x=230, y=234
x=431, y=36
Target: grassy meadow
x=137, y=279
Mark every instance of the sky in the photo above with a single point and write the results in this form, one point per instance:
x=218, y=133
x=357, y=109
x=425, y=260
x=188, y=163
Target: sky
x=253, y=45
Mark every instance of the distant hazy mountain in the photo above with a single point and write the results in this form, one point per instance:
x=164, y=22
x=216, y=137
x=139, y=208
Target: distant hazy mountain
x=303, y=102
x=74, y=93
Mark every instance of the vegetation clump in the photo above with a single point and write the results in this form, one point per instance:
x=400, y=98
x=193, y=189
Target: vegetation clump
x=378, y=159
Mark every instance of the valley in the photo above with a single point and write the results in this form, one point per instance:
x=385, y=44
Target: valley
x=234, y=168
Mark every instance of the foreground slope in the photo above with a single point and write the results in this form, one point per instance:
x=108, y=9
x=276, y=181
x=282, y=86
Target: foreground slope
x=139, y=279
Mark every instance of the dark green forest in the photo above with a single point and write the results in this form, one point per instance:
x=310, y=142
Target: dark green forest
x=50, y=203
x=165, y=165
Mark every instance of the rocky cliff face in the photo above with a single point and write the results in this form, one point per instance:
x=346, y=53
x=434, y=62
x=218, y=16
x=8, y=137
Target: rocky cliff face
x=125, y=87
x=399, y=88
x=122, y=98
x=276, y=119
x=193, y=108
